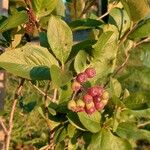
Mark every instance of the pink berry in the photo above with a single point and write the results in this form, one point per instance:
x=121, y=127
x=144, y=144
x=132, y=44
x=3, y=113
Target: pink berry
x=99, y=106
x=81, y=77
x=96, y=99
x=87, y=98
x=76, y=86
x=90, y=110
x=95, y=91
x=91, y=72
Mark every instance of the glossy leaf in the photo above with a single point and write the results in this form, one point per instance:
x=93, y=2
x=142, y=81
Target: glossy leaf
x=91, y=122
x=30, y=61
x=19, y=17
x=44, y=7
x=137, y=10
x=105, y=140
x=60, y=38
x=74, y=120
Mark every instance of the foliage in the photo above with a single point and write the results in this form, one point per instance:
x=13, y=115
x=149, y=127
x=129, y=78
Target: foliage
x=117, y=49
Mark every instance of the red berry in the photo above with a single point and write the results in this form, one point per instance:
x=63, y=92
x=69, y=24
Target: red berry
x=81, y=77
x=90, y=110
x=91, y=72
x=76, y=86
x=96, y=99
x=95, y=91
x=99, y=106
x=87, y=98
x=72, y=105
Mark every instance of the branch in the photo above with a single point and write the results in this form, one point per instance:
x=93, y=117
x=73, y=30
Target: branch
x=4, y=127
x=16, y=96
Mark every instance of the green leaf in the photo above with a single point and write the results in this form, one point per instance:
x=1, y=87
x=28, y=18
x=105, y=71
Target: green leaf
x=141, y=30
x=104, y=54
x=59, y=77
x=130, y=131
x=60, y=9
x=30, y=61
x=91, y=122
x=44, y=7
x=85, y=24
x=137, y=10
x=14, y=20
x=120, y=19
x=80, y=62
x=60, y=38
x=65, y=92
x=60, y=134
x=145, y=54
x=74, y=120
x=115, y=87
x=105, y=140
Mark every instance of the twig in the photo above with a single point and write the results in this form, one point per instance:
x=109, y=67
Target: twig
x=40, y=91
x=105, y=14
x=143, y=41
x=17, y=94
x=54, y=96
x=86, y=8
x=3, y=126
x=143, y=124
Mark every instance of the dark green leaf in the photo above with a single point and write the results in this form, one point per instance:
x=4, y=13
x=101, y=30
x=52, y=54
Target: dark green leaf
x=74, y=120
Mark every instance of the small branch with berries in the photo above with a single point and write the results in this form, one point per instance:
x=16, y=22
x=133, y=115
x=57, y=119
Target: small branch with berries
x=94, y=98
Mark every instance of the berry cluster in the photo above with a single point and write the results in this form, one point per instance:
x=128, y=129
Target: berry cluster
x=95, y=98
